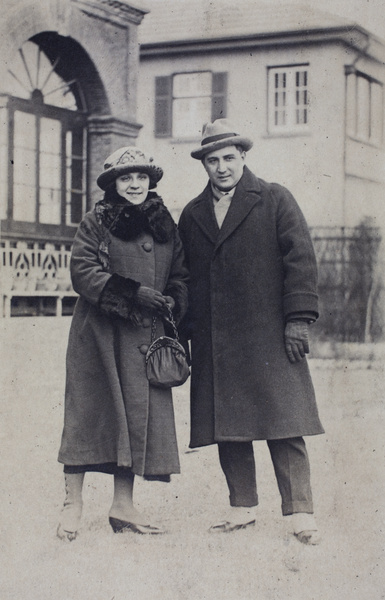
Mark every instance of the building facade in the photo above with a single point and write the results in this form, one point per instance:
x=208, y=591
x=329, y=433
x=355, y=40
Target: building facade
x=308, y=88
x=79, y=78
x=68, y=84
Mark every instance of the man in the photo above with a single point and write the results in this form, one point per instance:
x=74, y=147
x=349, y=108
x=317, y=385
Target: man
x=252, y=296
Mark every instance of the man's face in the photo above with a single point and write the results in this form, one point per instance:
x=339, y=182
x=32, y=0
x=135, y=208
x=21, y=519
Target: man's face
x=225, y=167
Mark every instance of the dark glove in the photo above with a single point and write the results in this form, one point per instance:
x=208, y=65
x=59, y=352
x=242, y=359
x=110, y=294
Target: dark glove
x=150, y=298
x=296, y=340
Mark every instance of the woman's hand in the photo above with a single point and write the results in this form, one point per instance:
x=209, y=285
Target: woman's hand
x=150, y=298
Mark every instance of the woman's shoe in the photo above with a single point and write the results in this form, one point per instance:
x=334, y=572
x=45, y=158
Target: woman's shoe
x=72, y=509
x=65, y=535
x=69, y=521
x=120, y=526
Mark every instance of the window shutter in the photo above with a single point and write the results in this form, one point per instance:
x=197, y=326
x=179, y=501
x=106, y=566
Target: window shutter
x=163, y=106
x=219, y=96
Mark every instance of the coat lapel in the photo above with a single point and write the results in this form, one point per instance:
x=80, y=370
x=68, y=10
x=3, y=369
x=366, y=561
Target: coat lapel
x=203, y=213
x=246, y=196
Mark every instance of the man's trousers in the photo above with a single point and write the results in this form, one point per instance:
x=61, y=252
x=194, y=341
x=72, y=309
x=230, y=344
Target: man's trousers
x=291, y=466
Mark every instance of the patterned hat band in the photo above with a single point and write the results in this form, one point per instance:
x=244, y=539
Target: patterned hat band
x=128, y=160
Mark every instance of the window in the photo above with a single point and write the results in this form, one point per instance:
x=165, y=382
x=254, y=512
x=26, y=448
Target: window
x=364, y=107
x=288, y=98
x=185, y=101
x=47, y=144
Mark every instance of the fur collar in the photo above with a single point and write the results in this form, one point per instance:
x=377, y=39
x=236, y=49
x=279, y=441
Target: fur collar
x=128, y=221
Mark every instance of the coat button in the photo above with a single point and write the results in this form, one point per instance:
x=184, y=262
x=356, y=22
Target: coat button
x=143, y=348
x=147, y=246
x=146, y=322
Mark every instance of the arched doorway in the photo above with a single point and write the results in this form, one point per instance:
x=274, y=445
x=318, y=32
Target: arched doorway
x=52, y=87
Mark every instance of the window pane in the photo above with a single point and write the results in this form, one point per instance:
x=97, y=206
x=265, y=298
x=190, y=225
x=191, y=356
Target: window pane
x=280, y=80
x=189, y=115
x=50, y=171
x=288, y=98
x=3, y=162
x=280, y=105
x=25, y=130
x=31, y=69
x=75, y=186
x=49, y=207
x=363, y=107
x=351, y=99
x=24, y=203
x=301, y=98
x=192, y=84
x=50, y=130
x=376, y=112
x=24, y=167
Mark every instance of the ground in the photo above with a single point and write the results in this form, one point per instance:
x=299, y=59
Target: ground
x=188, y=563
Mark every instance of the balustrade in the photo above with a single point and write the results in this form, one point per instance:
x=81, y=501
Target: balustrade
x=34, y=270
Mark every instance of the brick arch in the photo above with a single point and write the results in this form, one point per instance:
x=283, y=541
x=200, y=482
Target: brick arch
x=75, y=63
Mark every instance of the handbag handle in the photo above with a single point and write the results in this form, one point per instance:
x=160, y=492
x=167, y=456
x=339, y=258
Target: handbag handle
x=170, y=319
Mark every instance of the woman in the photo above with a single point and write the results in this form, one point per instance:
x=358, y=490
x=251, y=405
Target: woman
x=128, y=266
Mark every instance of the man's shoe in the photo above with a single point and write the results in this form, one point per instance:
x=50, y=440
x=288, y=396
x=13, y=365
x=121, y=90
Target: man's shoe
x=310, y=537
x=239, y=517
x=305, y=529
x=226, y=526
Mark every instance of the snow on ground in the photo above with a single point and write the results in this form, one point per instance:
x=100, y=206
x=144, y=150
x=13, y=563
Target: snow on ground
x=264, y=563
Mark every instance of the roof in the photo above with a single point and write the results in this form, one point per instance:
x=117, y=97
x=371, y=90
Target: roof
x=187, y=20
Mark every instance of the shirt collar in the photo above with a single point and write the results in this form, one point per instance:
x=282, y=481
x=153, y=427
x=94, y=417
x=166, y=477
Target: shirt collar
x=218, y=194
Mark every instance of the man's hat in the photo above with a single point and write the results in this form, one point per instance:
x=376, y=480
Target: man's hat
x=219, y=134
x=127, y=160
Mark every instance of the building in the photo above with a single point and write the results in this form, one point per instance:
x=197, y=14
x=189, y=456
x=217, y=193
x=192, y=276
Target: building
x=308, y=88
x=68, y=82
x=80, y=78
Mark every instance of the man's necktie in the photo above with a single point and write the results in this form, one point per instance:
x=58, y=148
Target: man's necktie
x=221, y=207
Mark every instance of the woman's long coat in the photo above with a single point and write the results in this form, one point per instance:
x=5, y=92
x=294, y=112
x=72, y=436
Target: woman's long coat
x=245, y=279
x=112, y=414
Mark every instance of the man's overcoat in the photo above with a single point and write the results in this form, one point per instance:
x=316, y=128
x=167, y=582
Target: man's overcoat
x=246, y=278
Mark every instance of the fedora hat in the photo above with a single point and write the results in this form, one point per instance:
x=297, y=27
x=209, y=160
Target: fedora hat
x=127, y=160
x=219, y=134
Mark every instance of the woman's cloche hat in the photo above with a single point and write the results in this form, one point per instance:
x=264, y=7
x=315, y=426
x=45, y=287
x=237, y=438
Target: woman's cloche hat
x=127, y=160
x=219, y=134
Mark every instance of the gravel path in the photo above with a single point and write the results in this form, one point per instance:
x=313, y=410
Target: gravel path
x=264, y=563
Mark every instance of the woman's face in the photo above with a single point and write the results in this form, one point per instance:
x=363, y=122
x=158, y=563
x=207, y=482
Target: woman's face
x=133, y=186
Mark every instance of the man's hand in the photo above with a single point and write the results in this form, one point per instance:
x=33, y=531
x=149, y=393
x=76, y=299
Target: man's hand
x=150, y=298
x=170, y=301
x=296, y=340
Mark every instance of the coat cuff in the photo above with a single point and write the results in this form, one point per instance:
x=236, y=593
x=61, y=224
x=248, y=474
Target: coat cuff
x=300, y=302
x=118, y=296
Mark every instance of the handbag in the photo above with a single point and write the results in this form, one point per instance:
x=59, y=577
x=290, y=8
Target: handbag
x=166, y=361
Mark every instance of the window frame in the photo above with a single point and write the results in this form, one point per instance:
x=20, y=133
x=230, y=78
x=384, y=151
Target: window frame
x=165, y=97
x=290, y=127
x=354, y=108
x=70, y=121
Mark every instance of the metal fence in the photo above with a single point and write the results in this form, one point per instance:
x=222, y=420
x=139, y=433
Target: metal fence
x=350, y=286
